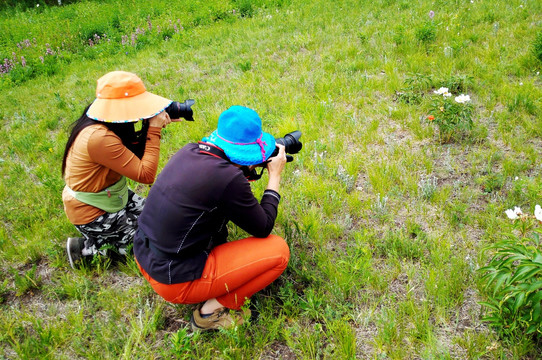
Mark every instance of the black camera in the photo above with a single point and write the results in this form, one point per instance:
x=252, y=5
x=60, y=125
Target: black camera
x=177, y=110
x=291, y=143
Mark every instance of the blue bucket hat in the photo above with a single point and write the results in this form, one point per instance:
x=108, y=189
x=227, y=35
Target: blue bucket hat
x=239, y=134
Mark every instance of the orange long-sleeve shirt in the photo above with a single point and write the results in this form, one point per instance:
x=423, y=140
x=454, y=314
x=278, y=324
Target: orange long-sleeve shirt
x=98, y=159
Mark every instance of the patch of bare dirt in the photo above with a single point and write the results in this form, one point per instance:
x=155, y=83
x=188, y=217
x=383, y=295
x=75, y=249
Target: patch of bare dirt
x=365, y=341
x=278, y=350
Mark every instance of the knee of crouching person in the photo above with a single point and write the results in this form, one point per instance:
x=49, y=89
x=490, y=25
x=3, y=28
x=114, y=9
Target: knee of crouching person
x=282, y=248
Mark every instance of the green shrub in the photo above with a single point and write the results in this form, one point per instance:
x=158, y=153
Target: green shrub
x=25, y=4
x=452, y=115
x=4, y=291
x=458, y=83
x=416, y=85
x=537, y=46
x=513, y=282
x=427, y=33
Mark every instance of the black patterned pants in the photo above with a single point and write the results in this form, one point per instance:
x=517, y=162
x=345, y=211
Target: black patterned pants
x=113, y=229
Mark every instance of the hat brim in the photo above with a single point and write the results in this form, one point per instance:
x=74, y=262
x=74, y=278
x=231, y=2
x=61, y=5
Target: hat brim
x=129, y=109
x=250, y=154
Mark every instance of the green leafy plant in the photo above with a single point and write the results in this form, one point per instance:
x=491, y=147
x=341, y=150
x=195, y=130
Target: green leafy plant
x=452, y=115
x=426, y=33
x=4, y=291
x=427, y=186
x=415, y=87
x=513, y=279
x=27, y=282
x=183, y=342
x=458, y=83
x=537, y=46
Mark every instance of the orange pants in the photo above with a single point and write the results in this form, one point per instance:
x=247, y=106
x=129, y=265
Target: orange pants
x=234, y=271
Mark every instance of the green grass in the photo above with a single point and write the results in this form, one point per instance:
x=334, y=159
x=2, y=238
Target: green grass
x=384, y=223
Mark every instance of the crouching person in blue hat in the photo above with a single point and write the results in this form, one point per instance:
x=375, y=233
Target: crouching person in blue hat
x=181, y=244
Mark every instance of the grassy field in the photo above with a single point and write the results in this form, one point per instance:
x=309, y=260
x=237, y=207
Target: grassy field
x=386, y=219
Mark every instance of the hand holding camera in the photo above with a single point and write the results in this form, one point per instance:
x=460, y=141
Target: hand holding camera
x=275, y=165
x=160, y=120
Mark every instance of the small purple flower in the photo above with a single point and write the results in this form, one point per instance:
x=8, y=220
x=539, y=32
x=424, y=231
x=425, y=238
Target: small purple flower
x=90, y=42
x=42, y=59
x=134, y=38
x=176, y=28
x=48, y=50
x=124, y=40
x=431, y=14
x=8, y=65
x=149, y=23
x=23, y=61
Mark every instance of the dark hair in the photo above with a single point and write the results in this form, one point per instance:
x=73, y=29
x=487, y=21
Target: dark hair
x=133, y=140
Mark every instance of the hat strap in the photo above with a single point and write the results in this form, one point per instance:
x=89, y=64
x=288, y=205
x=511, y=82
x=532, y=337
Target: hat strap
x=258, y=141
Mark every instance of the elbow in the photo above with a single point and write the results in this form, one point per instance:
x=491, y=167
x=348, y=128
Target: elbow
x=146, y=178
x=147, y=181
x=263, y=233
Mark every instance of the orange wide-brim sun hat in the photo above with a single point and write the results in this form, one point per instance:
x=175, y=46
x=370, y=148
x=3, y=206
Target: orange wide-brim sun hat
x=122, y=97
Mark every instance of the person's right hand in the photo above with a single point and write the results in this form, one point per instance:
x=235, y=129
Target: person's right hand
x=276, y=163
x=160, y=120
x=275, y=167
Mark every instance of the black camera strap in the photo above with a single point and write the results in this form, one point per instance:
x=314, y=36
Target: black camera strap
x=213, y=150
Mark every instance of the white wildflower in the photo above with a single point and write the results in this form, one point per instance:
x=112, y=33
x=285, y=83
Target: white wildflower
x=447, y=94
x=538, y=212
x=441, y=91
x=513, y=214
x=462, y=98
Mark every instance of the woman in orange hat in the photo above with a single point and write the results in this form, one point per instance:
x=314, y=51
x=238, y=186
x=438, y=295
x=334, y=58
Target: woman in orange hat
x=103, y=150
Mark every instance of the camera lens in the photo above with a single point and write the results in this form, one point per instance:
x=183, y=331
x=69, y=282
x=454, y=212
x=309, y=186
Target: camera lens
x=177, y=110
x=291, y=142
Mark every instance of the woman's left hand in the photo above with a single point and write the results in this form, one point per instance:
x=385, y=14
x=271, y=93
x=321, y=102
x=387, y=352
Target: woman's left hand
x=160, y=120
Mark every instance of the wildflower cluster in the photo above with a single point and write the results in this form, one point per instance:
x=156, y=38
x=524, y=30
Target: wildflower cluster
x=96, y=39
x=516, y=213
x=29, y=58
x=19, y=62
x=452, y=115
